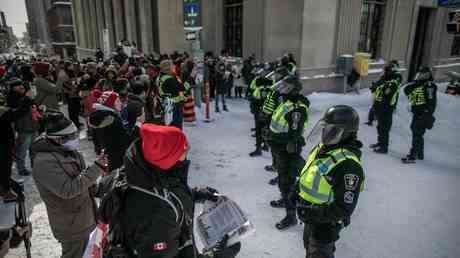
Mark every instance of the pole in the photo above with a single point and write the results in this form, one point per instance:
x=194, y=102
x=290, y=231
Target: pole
x=207, y=117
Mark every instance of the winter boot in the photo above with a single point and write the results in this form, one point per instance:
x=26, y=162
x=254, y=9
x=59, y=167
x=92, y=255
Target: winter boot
x=375, y=145
x=225, y=109
x=273, y=181
x=381, y=150
x=287, y=222
x=269, y=168
x=257, y=152
x=409, y=159
x=278, y=203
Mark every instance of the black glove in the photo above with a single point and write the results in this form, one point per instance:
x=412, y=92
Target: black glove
x=223, y=251
x=202, y=194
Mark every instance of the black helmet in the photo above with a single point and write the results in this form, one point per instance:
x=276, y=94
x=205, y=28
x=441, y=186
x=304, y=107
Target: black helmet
x=339, y=123
x=290, y=85
x=424, y=74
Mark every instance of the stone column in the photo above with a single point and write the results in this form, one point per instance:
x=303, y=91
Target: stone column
x=109, y=22
x=118, y=20
x=349, y=18
x=79, y=23
x=130, y=18
x=170, y=26
x=253, y=28
x=318, y=33
x=144, y=25
x=99, y=21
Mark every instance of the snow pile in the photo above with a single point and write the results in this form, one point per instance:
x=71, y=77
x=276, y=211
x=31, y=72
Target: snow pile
x=405, y=210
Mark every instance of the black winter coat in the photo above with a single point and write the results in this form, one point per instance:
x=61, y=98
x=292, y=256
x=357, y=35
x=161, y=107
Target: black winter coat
x=153, y=227
x=114, y=137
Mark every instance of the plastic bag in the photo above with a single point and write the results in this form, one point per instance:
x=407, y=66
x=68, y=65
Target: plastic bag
x=96, y=242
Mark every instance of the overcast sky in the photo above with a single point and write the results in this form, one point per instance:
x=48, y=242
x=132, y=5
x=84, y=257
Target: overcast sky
x=16, y=15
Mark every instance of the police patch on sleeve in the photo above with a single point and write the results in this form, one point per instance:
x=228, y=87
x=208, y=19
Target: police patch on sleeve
x=351, y=182
x=349, y=197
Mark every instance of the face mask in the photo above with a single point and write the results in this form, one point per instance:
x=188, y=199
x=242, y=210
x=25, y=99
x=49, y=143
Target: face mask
x=72, y=144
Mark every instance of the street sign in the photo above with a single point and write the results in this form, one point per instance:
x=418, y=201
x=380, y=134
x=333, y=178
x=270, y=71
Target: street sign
x=449, y=3
x=192, y=14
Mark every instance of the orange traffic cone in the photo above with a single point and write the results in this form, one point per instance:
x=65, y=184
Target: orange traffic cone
x=189, y=110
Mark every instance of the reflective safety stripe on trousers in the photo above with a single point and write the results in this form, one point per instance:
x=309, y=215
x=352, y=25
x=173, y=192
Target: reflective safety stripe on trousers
x=314, y=187
x=279, y=124
x=417, y=96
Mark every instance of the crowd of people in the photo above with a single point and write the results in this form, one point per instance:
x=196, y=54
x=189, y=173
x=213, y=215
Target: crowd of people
x=131, y=108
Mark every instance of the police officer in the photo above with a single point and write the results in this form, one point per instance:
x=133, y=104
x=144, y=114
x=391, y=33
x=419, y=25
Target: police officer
x=286, y=140
x=261, y=86
x=385, y=101
x=171, y=89
x=422, y=98
x=287, y=61
x=330, y=183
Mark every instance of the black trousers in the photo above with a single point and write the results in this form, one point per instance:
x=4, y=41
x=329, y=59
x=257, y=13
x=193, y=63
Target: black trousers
x=384, y=123
x=371, y=115
x=74, y=108
x=178, y=117
x=319, y=240
x=6, y=162
x=259, y=128
x=288, y=166
x=418, y=127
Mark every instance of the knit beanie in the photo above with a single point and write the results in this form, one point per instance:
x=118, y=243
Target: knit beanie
x=162, y=146
x=108, y=99
x=57, y=125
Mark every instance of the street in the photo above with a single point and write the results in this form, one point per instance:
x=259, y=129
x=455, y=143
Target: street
x=404, y=211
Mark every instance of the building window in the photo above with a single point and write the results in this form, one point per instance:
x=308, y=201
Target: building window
x=372, y=20
x=233, y=27
x=455, y=50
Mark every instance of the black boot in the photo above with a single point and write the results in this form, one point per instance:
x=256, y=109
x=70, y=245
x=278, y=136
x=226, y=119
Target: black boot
x=287, y=222
x=269, y=168
x=278, y=203
x=257, y=152
x=409, y=159
x=217, y=110
x=381, y=150
x=225, y=109
x=273, y=181
x=373, y=146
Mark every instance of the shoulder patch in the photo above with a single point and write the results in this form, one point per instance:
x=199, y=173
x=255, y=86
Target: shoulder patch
x=349, y=197
x=351, y=181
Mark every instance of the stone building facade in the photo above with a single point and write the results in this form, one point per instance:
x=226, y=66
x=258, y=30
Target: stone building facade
x=316, y=32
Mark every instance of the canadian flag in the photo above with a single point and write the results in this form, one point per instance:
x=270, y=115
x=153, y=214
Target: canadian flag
x=160, y=246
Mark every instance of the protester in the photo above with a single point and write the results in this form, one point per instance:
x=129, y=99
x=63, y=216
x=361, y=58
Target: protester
x=47, y=92
x=135, y=105
x=10, y=112
x=63, y=181
x=110, y=130
x=159, y=199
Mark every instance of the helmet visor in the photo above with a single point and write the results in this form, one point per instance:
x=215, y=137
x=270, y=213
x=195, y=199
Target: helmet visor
x=421, y=76
x=331, y=134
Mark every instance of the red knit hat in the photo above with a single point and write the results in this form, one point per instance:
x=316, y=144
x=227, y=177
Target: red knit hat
x=2, y=71
x=108, y=99
x=41, y=68
x=162, y=146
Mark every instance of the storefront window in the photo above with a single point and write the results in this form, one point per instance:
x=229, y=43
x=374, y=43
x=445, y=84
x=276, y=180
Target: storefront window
x=372, y=20
x=455, y=50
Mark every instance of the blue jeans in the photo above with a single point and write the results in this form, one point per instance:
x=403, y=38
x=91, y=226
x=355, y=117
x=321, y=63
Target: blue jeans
x=220, y=97
x=23, y=145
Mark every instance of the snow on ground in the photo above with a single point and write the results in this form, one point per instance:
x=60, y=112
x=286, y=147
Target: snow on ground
x=404, y=211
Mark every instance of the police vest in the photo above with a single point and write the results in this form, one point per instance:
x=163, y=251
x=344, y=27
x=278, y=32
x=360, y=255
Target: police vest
x=279, y=124
x=314, y=186
x=261, y=93
x=160, y=82
x=378, y=94
x=417, y=96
